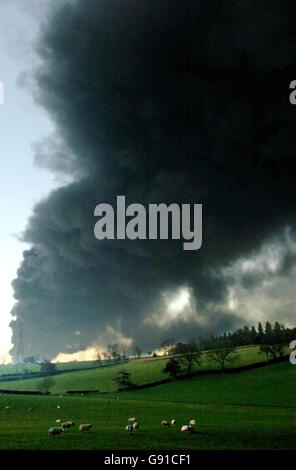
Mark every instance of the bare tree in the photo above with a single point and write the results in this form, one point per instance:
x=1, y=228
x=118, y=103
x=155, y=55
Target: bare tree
x=112, y=350
x=267, y=350
x=189, y=354
x=167, y=346
x=45, y=384
x=137, y=350
x=223, y=353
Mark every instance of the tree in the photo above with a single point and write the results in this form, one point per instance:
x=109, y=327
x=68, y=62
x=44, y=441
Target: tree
x=267, y=350
x=222, y=353
x=167, y=346
x=99, y=359
x=48, y=368
x=260, y=333
x=172, y=368
x=30, y=360
x=246, y=336
x=45, y=384
x=123, y=380
x=207, y=342
x=278, y=339
x=189, y=354
x=112, y=352
x=107, y=356
x=268, y=333
x=278, y=348
x=125, y=355
x=253, y=336
x=137, y=350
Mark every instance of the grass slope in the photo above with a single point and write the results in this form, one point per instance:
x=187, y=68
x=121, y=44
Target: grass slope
x=143, y=371
x=12, y=369
x=268, y=424
x=273, y=385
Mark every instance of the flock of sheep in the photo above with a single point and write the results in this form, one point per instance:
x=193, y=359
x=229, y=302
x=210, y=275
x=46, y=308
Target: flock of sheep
x=65, y=425
x=132, y=426
x=187, y=428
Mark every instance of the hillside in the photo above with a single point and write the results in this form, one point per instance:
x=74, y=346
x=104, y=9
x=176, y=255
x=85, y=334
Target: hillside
x=273, y=385
x=143, y=371
x=253, y=409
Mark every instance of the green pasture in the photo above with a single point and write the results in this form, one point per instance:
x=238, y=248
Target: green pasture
x=142, y=371
x=253, y=409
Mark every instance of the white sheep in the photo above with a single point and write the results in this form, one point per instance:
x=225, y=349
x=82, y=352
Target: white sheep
x=187, y=428
x=135, y=426
x=131, y=420
x=173, y=421
x=67, y=424
x=165, y=423
x=55, y=430
x=192, y=422
x=58, y=421
x=59, y=406
x=7, y=407
x=129, y=428
x=85, y=427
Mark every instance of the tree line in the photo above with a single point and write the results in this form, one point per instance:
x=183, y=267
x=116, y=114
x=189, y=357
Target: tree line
x=221, y=349
x=245, y=336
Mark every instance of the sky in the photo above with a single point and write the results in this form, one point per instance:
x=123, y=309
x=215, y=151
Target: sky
x=164, y=103
x=22, y=123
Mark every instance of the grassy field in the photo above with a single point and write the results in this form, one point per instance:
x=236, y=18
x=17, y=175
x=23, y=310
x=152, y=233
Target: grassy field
x=143, y=371
x=253, y=409
x=12, y=369
x=273, y=385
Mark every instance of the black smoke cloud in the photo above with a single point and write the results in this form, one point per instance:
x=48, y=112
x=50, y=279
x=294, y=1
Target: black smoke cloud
x=162, y=101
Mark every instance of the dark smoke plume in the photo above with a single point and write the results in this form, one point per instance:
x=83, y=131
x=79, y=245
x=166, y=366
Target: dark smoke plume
x=160, y=101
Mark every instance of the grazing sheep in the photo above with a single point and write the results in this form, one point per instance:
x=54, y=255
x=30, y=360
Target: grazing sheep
x=7, y=407
x=129, y=428
x=59, y=406
x=85, y=427
x=192, y=422
x=58, y=421
x=55, y=430
x=165, y=423
x=135, y=426
x=131, y=420
x=173, y=421
x=67, y=424
x=187, y=428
